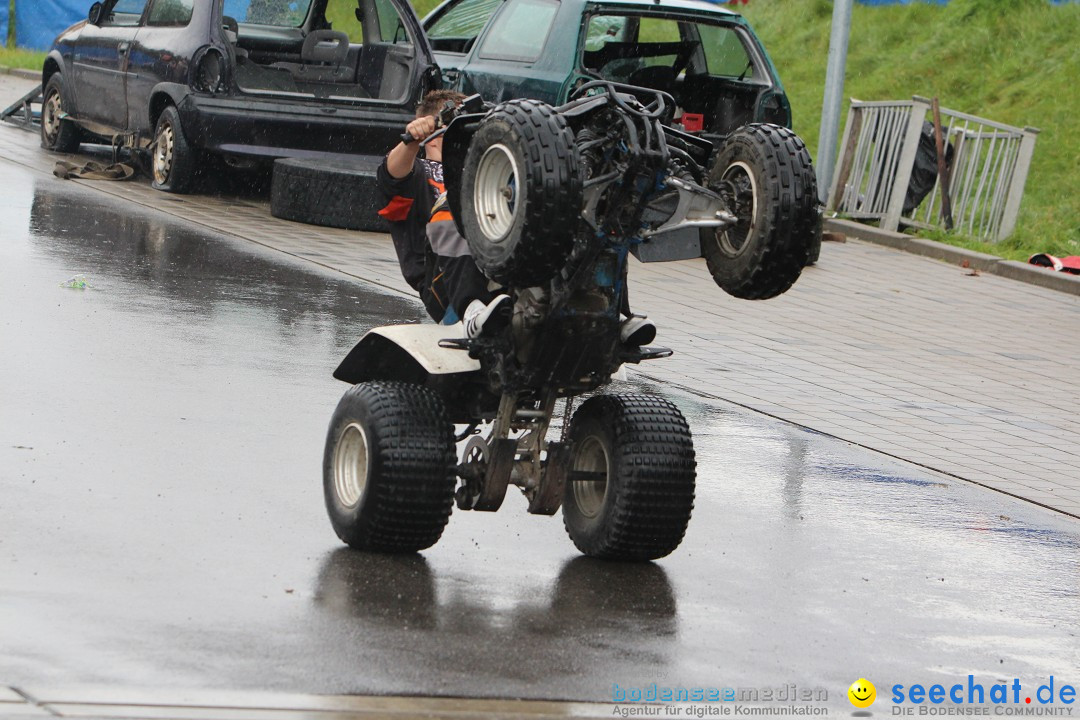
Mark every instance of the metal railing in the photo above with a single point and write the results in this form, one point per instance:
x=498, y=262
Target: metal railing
x=988, y=167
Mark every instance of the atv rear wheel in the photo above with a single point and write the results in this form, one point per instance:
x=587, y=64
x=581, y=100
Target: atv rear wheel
x=765, y=174
x=630, y=489
x=388, y=468
x=520, y=193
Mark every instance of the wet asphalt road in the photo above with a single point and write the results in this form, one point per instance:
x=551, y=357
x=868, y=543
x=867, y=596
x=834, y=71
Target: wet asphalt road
x=161, y=519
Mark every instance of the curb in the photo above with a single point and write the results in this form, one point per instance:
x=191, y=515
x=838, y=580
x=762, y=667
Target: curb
x=21, y=73
x=1011, y=269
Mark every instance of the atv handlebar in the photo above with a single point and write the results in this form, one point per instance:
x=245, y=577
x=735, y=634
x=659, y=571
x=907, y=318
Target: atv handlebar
x=450, y=110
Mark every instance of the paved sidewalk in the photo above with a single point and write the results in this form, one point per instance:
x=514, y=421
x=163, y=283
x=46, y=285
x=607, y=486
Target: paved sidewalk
x=975, y=376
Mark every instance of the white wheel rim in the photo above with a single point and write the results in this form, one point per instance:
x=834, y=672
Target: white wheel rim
x=723, y=237
x=51, y=115
x=589, y=494
x=163, y=153
x=495, y=194
x=351, y=465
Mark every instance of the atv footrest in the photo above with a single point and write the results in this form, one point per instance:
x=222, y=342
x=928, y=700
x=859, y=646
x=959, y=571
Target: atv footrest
x=645, y=353
x=454, y=343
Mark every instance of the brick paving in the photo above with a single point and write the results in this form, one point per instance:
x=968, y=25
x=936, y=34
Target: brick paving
x=975, y=376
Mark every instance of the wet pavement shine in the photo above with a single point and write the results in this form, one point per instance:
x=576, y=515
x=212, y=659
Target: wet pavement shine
x=162, y=521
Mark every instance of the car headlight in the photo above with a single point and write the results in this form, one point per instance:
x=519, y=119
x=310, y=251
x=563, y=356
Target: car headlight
x=209, y=72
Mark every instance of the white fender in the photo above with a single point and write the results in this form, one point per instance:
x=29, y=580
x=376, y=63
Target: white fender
x=406, y=352
x=421, y=341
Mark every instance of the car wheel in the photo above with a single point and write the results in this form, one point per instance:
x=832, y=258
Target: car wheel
x=766, y=177
x=520, y=193
x=388, y=468
x=174, y=163
x=630, y=489
x=57, y=134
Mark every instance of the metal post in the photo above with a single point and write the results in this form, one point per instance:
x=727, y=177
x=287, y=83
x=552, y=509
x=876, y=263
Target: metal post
x=834, y=94
x=920, y=106
x=1016, y=183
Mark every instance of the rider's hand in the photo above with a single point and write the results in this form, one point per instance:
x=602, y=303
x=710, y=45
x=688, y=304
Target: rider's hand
x=399, y=161
x=421, y=127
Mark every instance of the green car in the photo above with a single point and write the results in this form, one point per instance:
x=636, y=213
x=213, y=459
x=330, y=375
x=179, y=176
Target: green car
x=705, y=56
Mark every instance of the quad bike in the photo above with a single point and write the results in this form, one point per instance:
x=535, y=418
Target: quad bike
x=552, y=201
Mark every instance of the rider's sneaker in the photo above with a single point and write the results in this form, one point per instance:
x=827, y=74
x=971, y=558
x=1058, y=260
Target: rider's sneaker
x=637, y=331
x=481, y=319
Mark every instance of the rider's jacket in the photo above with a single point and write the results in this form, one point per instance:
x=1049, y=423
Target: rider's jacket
x=433, y=255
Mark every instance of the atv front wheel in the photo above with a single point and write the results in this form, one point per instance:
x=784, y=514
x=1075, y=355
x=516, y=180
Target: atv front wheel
x=630, y=489
x=388, y=469
x=521, y=193
x=765, y=174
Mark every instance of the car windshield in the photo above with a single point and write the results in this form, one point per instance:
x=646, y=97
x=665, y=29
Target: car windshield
x=283, y=13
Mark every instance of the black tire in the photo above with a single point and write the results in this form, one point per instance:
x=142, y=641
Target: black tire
x=395, y=497
x=521, y=193
x=56, y=134
x=765, y=173
x=641, y=510
x=174, y=163
x=341, y=193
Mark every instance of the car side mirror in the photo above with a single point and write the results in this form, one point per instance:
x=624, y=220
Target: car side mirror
x=94, y=17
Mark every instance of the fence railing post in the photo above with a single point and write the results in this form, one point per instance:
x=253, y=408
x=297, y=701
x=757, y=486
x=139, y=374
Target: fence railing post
x=920, y=106
x=847, y=155
x=1017, y=182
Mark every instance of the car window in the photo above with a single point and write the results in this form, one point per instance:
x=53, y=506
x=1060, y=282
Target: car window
x=172, y=13
x=457, y=28
x=658, y=30
x=520, y=30
x=725, y=53
x=341, y=14
x=604, y=29
x=126, y=13
x=283, y=13
x=617, y=47
x=391, y=24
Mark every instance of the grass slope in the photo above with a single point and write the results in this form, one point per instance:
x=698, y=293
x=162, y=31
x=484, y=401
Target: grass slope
x=19, y=58
x=1012, y=61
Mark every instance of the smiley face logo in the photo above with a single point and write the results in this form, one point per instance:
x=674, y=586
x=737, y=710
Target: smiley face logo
x=862, y=693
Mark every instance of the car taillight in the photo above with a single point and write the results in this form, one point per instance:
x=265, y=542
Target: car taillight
x=208, y=72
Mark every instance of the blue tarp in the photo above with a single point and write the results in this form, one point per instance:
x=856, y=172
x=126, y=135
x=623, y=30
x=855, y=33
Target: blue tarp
x=38, y=22
x=3, y=22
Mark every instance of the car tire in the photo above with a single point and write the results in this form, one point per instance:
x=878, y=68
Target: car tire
x=765, y=174
x=520, y=193
x=641, y=507
x=174, y=163
x=341, y=193
x=56, y=134
x=388, y=467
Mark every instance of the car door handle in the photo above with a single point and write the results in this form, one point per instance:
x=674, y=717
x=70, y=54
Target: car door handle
x=123, y=47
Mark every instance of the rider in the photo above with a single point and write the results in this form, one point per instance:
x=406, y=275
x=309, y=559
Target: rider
x=433, y=255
